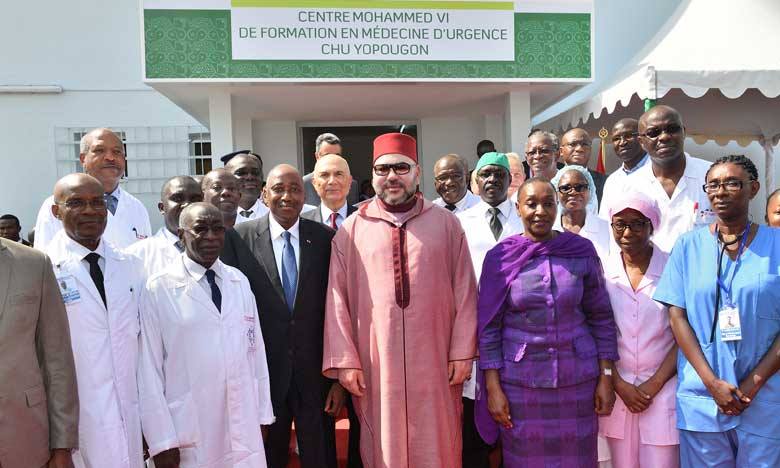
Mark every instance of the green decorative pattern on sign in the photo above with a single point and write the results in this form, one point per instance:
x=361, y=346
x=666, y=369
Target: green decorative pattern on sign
x=188, y=44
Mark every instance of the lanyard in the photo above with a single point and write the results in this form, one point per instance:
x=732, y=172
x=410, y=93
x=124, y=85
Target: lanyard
x=721, y=283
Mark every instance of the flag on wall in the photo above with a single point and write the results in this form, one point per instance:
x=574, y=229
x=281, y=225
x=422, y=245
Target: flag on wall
x=601, y=167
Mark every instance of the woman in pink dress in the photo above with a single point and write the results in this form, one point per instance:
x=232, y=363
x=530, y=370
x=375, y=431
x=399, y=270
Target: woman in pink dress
x=641, y=431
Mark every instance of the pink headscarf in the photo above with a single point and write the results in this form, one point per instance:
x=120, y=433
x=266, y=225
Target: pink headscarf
x=639, y=202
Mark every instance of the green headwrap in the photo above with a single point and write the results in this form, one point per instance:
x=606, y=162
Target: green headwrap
x=493, y=159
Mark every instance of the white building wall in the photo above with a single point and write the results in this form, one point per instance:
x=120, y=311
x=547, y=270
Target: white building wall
x=92, y=50
x=442, y=135
x=276, y=141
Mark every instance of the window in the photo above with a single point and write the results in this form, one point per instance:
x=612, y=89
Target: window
x=200, y=153
x=154, y=154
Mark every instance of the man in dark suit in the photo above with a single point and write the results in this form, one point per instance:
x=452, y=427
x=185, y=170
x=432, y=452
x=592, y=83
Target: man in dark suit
x=575, y=149
x=332, y=180
x=291, y=257
x=327, y=143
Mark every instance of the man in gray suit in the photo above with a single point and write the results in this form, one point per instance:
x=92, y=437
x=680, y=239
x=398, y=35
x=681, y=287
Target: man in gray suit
x=38, y=397
x=327, y=143
x=332, y=181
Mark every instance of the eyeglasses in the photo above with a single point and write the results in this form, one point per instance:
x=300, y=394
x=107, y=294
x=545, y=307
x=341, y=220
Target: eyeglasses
x=574, y=144
x=97, y=204
x=243, y=172
x=730, y=186
x=634, y=226
x=445, y=177
x=624, y=137
x=656, y=132
x=540, y=151
x=222, y=188
x=569, y=188
x=201, y=231
x=398, y=168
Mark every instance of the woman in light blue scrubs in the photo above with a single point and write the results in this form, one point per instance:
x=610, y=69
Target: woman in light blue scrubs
x=722, y=286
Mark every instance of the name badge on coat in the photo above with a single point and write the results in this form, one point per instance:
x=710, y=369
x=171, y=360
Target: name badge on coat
x=730, y=328
x=69, y=289
x=251, y=334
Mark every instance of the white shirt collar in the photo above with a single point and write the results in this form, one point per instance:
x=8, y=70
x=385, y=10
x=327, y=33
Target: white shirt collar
x=197, y=271
x=464, y=203
x=591, y=223
x=168, y=235
x=277, y=229
x=79, y=251
x=690, y=171
x=505, y=207
x=255, y=208
x=325, y=211
x=117, y=192
x=645, y=159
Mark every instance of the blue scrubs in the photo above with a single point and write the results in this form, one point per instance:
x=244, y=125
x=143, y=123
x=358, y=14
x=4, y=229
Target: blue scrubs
x=689, y=282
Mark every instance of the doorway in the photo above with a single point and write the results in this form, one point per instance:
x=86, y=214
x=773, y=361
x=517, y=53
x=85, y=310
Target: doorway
x=357, y=142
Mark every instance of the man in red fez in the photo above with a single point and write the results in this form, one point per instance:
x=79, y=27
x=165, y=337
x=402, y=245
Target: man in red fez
x=400, y=318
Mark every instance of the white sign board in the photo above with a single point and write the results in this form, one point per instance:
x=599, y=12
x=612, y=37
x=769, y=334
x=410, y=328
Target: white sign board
x=395, y=30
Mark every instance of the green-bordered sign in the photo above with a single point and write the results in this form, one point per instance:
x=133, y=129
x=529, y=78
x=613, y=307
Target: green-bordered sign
x=373, y=40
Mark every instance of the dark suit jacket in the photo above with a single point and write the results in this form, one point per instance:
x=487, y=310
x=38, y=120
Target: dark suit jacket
x=316, y=215
x=311, y=197
x=293, y=341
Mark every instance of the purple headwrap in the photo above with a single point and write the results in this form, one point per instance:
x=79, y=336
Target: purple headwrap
x=501, y=266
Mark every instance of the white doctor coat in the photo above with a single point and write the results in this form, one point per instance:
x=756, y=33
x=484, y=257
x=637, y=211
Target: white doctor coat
x=203, y=376
x=476, y=224
x=105, y=350
x=128, y=225
x=155, y=253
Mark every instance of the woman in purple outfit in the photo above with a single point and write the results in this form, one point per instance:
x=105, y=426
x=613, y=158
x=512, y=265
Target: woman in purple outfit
x=547, y=341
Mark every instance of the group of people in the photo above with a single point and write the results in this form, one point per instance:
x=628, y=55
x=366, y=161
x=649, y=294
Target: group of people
x=563, y=316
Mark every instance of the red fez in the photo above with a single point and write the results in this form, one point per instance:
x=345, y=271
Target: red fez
x=395, y=143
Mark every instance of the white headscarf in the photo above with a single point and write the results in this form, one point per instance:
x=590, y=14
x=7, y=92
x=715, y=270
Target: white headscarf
x=592, y=206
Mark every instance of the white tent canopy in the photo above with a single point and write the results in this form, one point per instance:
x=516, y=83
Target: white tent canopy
x=717, y=61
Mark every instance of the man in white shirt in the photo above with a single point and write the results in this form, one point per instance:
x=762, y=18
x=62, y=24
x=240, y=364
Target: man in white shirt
x=541, y=154
x=625, y=141
x=451, y=178
x=248, y=168
x=673, y=178
x=486, y=224
x=203, y=378
x=331, y=179
x=100, y=288
x=327, y=143
x=102, y=155
x=158, y=251
x=576, y=149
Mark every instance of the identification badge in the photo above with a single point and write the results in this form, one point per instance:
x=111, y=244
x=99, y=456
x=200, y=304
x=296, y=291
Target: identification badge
x=728, y=320
x=251, y=337
x=69, y=289
x=705, y=217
